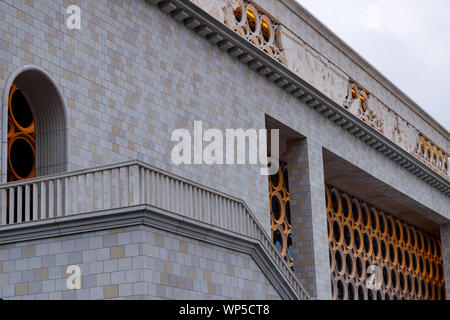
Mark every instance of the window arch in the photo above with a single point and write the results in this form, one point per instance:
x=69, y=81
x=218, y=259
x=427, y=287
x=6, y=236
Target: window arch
x=34, y=126
x=21, y=137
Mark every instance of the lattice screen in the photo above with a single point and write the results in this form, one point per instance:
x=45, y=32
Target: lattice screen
x=407, y=261
x=280, y=214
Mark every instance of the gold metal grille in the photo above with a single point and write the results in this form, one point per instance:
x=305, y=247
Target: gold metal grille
x=256, y=26
x=21, y=137
x=409, y=260
x=280, y=214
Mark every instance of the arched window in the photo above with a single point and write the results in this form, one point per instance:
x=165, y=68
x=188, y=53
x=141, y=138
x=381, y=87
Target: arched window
x=21, y=137
x=35, y=124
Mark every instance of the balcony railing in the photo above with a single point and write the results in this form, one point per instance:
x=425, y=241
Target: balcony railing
x=128, y=184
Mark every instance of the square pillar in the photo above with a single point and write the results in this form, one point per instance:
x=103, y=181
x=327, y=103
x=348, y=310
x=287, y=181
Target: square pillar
x=308, y=214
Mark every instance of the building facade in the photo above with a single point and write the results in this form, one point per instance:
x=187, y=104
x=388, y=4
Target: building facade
x=94, y=207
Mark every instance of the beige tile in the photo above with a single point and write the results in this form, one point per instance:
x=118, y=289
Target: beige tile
x=192, y=272
x=28, y=251
x=110, y=292
x=41, y=274
x=115, y=231
x=183, y=246
x=168, y=267
x=21, y=289
x=181, y=282
x=159, y=240
x=230, y=270
x=211, y=289
x=117, y=252
x=164, y=278
x=21, y=15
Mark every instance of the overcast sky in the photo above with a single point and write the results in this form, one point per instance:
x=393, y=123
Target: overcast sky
x=408, y=41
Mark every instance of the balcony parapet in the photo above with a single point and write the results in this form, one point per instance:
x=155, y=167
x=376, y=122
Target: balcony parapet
x=379, y=116
x=131, y=184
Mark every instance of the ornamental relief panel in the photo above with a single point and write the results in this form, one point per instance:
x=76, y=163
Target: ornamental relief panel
x=215, y=8
x=429, y=153
x=358, y=101
x=311, y=66
x=248, y=21
x=257, y=27
x=376, y=114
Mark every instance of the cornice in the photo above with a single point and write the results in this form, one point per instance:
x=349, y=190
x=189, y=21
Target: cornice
x=355, y=57
x=227, y=40
x=145, y=215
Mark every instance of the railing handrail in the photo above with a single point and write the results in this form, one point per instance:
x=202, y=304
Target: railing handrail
x=138, y=181
x=123, y=165
x=68, y=174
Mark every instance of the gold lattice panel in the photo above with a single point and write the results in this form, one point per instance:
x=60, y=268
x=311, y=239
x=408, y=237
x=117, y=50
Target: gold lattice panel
x=256, y=26
x=359, y=235
x=280, y=214
x=21, y=137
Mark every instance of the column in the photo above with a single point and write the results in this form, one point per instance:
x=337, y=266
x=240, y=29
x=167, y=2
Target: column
x=308, y=214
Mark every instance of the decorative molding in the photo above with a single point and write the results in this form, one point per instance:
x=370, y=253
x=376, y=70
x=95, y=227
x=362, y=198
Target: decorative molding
x=157, y=218
x=226, y=39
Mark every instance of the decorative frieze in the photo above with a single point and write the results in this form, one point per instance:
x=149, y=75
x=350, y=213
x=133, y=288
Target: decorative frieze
x=432, y=155
x=312, y=66
x=248, y=21
x=286, y=47
x=357, y=102
x=376, y=114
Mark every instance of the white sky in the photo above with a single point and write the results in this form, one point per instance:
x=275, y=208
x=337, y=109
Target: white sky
x=408, y=41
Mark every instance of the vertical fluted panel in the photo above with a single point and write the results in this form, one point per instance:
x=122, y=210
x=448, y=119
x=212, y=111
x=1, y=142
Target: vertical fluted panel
x=51, y=199
x=11, y=206
x=19, y=204
x=35, y=201
x=27, y=203
x=3, y=206
x=67, y=195
x=101, y=191
x=59, y=198
x=43, y=200
x=75, y=195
